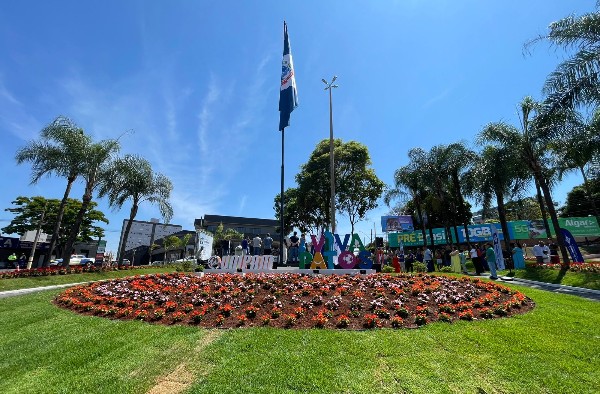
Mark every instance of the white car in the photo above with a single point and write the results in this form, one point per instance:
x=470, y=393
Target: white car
x=76, y=259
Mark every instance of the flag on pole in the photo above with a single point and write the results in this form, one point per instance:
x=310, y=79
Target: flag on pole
x=288, y=95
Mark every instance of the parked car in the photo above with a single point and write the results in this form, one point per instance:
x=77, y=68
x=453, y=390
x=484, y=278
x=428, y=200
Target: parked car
x=76, y=259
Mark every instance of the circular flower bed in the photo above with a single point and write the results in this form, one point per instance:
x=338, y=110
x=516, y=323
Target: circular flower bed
x=295, y=301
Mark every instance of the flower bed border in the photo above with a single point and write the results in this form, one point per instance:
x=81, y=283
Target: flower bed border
x=295, y=301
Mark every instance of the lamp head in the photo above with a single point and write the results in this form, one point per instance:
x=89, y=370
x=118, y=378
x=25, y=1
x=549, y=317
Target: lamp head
x=324, y=81
x=334, y=78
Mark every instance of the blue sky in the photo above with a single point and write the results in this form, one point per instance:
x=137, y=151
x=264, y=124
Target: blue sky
x=196, y=85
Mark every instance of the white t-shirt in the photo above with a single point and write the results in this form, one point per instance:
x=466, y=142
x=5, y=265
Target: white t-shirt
x=473, y=252
x=256, y=242
x=537, y=251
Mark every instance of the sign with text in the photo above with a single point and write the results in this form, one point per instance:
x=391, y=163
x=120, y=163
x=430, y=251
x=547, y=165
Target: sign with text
x=403, y=223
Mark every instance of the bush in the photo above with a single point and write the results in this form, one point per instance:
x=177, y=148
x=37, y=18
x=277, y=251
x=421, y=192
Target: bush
x=387, y=269
x=186, y=266
x=420, y=267
x=446, y=269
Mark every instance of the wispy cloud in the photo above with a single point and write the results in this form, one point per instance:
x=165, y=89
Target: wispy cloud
x=442, y=95
x=14, y=115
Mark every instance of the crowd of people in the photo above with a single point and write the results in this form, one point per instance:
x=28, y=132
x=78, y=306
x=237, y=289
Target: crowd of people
x=482, y=255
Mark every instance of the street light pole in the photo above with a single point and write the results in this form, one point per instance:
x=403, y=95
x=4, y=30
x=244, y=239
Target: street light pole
x=329, y=86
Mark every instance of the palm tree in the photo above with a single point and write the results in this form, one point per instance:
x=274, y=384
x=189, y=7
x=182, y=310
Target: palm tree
x=409, y=184
x=576, y=80
x=95, y=159
x=58, y=152
x=501, y=173
x=576, y=150
x=531, y=144
x=131, y=178
x=459, y=161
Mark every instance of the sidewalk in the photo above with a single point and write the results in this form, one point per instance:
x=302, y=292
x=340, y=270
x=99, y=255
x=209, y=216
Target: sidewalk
x=589, y=294
x=13, y=293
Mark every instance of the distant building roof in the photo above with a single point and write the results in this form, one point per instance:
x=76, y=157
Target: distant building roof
x=235, y=220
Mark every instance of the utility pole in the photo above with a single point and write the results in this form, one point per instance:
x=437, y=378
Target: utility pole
x=330, y=86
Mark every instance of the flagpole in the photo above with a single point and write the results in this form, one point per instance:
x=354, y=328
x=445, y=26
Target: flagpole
x=281, y=224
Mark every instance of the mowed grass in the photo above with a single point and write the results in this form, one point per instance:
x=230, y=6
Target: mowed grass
x=552, y=349
x=589, y=280
x=40, y=281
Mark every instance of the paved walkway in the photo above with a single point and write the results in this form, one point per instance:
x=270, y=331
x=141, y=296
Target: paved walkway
x=589, y=294
x=12, y=293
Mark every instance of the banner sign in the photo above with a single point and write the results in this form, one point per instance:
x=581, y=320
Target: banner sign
x=497, y=248
x=397, y=223
x=204, y=244
x=571, y=245
x=415, y=238
x=9, y=243
x=580, y=227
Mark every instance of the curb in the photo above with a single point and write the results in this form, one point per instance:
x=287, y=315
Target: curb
x=13, y=293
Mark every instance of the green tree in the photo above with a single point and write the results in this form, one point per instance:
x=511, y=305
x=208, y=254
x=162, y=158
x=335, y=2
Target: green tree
x=221, y=234
x=409, y=187
x=27, y=211
x=575, y=152
x=132, y=178
x=58, y=152
x=95, y=159
x=576, y=80
x=578, y=201
x=531, y=144
x=169, y=243
x=357, y=186
x=501, y=174
x=523, y=209
x=353, y=176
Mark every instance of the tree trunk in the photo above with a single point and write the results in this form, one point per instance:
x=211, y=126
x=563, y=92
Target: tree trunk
x=502, y=216
x=87, y=197
x=589, y=193
x=59, y=216
x=461, y=202
x=553, y=217
x=467, y=233
x=431, y=235
x=542, y=207
x=423, y=231
x=132, y=214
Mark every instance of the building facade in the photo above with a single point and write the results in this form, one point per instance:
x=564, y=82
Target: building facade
x=144, y=233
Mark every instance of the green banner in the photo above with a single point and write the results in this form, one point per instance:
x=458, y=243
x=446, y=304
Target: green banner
x=415, y=238
x=580, y=227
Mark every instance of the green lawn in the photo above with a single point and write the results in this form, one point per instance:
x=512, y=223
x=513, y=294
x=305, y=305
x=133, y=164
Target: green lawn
x=552, y=349
x=39, y=281
x=588, y=280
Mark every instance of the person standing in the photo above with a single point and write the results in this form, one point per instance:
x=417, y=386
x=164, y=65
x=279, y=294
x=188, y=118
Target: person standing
x=428, y=257
x=455, y=260
x=294, y=244
x=13, y=260
x=537, y=252
x=410, y=260
x=463, y=261
x=22, y=261
x=490, y=256
x=256, y=243
x=302, y=243
x=545, y=253
x=476, y=261
x=517, y=255
x=245, y=246
x=268, y=244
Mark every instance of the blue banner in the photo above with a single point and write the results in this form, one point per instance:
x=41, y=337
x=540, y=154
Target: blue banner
x=571, y=245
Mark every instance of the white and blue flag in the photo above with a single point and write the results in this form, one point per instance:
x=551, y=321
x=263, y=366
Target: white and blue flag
x=288, y=95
